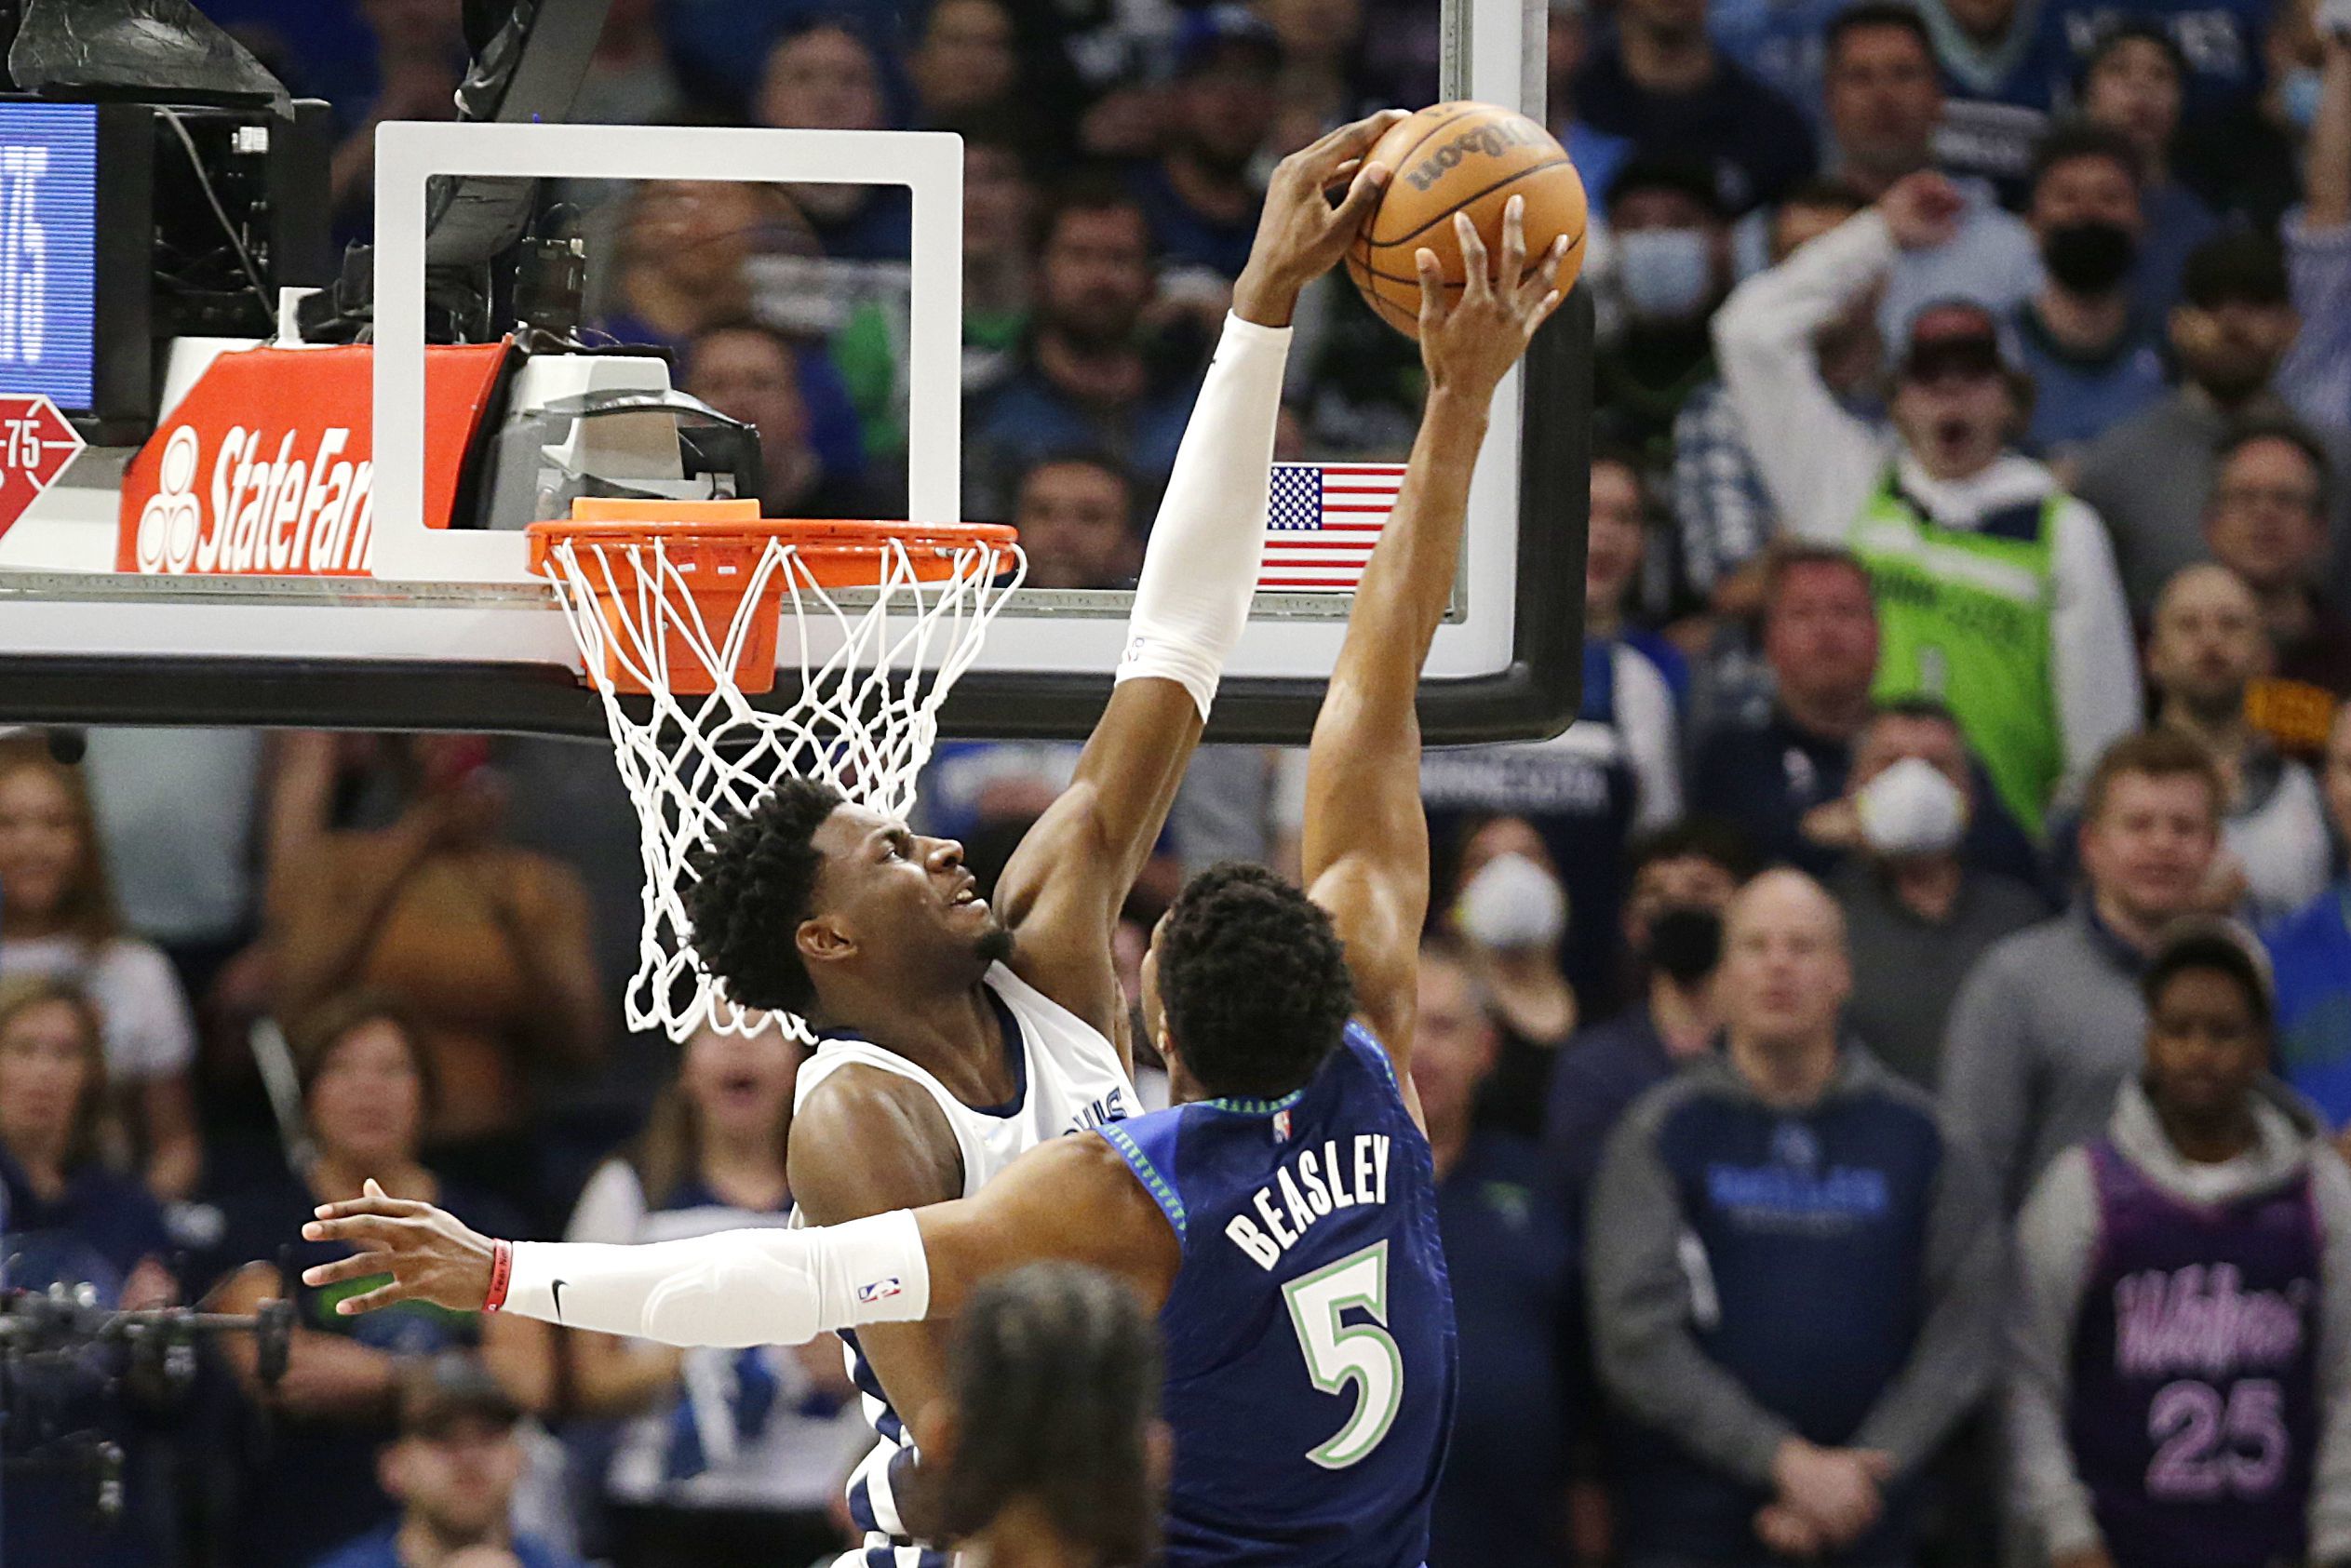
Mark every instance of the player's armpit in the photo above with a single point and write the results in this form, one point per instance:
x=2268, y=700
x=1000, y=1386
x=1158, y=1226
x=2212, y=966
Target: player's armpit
x=1071, y=1200
x=1061, y=892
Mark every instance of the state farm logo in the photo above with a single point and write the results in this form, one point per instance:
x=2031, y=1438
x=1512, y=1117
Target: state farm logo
x=1487, y=141
x=268, y=513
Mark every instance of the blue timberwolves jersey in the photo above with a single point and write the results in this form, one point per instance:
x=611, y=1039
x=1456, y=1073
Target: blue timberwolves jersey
x=1309, y=1333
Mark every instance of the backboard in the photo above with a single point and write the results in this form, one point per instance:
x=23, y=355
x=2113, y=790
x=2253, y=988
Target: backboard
x=255, y=570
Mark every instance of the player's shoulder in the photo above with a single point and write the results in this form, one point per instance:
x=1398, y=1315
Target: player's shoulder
x=866, y=1136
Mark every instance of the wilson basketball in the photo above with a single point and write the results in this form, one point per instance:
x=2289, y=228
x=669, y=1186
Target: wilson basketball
x=1461, y=157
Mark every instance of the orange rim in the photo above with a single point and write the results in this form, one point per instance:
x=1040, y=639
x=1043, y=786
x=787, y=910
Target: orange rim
x=833, y=550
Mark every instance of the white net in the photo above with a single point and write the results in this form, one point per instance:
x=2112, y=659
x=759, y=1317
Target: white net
x=875, y=662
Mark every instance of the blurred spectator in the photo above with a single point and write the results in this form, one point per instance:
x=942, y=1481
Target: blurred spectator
x=1510, y=912
x=1200, y=195
x=1084, y=377
x=65, y=1219
x=419, y=53
x=1597, y=154
x=2182, y=1351
x=178, y=812
x=966, y=62
x=2050, y=1022
x=1996, y=590
x=1719, y=500
x=2252, y=103
x=454, y=1465
x=1662, y=84
x=1884, y=104
x=1680, y=881
x=1794, y=1277
x=1763, y=770
x=2267, y=521
x=822, y=75
x=488, y=945
x=1670, y=239
x=1510, y=1254
x=2092, y=353
x=729, y=1456
x=1612, y=773
x=752, y=374
x=2317, y=376
x=680, y=263
x=368, y=1089
x=1918, y=913
x=1326, y=80
x=2149, y=475
x=2006, y=65
x=2134, y=82
x=629, y=79
x=1616, y=545
x=999, y=212
x=2205, y=651
x=57, y=917
x=1076, y=516
x=2312, y=951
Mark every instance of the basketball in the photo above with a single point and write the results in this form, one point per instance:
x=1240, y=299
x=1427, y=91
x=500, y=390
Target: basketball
x=1461, y=157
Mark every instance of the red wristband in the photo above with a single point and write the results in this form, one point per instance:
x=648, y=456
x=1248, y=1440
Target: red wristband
x=502, y=1269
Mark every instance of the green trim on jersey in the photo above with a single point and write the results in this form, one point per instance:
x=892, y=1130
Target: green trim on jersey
x=1964, y=616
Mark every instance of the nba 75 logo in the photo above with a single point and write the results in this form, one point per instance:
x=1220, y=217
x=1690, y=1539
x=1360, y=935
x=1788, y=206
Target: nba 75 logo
x=1489, y=140
x=879, y=1290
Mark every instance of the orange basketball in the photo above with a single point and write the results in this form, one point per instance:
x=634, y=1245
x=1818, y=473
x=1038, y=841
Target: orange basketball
x=1461, y=157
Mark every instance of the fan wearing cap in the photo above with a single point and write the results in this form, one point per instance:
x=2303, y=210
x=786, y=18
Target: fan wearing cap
x=1200, y=195
x=1996, y=590
x=2180, y=1357
x=454, y=1466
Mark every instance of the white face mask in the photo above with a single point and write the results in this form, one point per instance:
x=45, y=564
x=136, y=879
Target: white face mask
x=1910, y=809
x=1667, y=273
x=1512, y=903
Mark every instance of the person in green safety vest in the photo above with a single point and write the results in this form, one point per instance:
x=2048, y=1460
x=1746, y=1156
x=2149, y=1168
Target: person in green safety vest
x=1995, y=591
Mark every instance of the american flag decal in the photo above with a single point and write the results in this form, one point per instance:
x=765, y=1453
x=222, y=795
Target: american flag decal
x=1321, y=520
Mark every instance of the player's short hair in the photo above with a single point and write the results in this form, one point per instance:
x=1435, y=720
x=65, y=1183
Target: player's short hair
x=1253, y=982
x=2156, y=754
x=1873, y=13
x=2218, y=946
x=1054, y=1372
x=753, y=886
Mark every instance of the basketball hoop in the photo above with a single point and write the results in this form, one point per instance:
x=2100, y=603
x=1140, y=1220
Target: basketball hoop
x=678, y=608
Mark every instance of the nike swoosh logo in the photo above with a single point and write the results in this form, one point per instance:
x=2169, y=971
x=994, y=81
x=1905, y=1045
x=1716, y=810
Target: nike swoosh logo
x=556, y=1289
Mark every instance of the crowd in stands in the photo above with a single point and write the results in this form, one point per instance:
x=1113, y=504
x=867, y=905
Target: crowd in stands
x=1885, y=1061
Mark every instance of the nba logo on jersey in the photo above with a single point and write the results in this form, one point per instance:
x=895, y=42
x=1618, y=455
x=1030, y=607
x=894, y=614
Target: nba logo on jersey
x=1281, y=1126
x=879, y=1290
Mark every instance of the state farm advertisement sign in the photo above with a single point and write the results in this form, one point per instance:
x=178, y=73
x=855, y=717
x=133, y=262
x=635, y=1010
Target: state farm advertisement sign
x=267, y=466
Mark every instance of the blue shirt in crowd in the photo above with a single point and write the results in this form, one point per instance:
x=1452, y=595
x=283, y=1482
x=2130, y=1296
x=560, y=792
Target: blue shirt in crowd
x=2311, y=952
x=379, y=1549
x=2078, y=396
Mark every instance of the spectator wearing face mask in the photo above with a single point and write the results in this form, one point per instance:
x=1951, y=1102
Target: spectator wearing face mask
x=2149, y=475
x=2091, y=352
x=2048, y=1023
x=1682, y=879
x=2180, y=1353
x=2312, y=951
x=1996, y=590
x=1671, y=236
x=1918, y=915
x=1510, y=911
x=2203, y=653
x=2134, y=82
x=1794, y=1273
x=2244, y=156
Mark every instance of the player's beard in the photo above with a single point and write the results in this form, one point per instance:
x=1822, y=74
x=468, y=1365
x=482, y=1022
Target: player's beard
x=994, y=946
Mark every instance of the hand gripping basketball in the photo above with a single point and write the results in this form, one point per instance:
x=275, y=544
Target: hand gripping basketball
x=1301, y=234
x=1468, y=344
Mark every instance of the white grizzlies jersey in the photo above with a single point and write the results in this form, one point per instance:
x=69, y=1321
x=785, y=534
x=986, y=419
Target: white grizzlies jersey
x=1065, y=1079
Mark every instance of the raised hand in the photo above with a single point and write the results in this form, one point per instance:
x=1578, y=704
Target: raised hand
x=1301, y=234
x=1922, y=211
x=1469, y=344
x=429, y=1253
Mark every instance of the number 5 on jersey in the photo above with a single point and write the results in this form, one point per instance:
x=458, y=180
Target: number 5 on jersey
x=1338, y=1353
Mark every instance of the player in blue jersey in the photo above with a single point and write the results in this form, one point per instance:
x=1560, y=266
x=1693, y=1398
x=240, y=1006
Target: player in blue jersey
x=1282, y=1217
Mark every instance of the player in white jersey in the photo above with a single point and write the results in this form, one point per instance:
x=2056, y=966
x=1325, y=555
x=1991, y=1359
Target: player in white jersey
x=954, y=1032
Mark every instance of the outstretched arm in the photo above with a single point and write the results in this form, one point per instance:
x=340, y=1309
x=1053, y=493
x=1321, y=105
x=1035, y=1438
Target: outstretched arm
x=1062, y=890
x=1072, y=1200
x=1365, y=854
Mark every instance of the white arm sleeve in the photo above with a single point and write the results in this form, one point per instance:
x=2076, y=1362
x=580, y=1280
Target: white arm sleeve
x=1202, y=564
x=730, y=1289
x=2096, y=663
